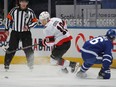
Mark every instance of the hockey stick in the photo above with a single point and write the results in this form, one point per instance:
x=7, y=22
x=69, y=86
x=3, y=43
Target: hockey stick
x=20, y=48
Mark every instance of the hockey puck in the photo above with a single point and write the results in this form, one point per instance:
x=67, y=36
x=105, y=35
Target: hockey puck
x=6, y=77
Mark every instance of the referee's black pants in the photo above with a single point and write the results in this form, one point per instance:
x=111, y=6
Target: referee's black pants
x=26, y=39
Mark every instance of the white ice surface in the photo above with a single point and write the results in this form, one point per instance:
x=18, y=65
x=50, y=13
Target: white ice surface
x=50, y=76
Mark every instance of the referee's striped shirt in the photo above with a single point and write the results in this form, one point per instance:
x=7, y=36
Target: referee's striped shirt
x=18, y=19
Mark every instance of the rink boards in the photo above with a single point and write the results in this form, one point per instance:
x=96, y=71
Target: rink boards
x=80, y=35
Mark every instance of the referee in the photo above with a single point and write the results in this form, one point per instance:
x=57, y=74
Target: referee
x=22, y=19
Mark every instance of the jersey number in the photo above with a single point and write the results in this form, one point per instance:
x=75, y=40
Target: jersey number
x=61, y=28
x=96, y=40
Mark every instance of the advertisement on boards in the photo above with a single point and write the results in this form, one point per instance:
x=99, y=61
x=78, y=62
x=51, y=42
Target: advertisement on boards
x=79, y=38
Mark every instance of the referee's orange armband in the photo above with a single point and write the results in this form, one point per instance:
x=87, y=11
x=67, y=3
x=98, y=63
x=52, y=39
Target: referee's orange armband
x=34, y=20
x=9, y=17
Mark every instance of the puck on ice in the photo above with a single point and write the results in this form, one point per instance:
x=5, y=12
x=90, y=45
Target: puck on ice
x=6, y=77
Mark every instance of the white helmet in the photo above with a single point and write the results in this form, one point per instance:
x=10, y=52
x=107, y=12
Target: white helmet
x=44, y=15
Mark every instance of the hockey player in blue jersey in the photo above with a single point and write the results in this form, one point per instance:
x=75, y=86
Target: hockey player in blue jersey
x=98, y=51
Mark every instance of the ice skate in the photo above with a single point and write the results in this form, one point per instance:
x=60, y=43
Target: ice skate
x=100, y=75
x=75, y=67
x=31, y=68
x=53, y=62
x=6, y=68
x=81, y=74
x=64, y=67
x=64, y=70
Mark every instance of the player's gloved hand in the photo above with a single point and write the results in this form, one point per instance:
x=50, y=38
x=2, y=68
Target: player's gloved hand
x=104, y=74
x=4, y=35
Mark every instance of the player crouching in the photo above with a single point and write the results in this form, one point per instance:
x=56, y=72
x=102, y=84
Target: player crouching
x=98, y=51
x=56, y=35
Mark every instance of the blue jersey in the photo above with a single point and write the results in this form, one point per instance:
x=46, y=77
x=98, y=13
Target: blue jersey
x=101, y=45
x=97, y=51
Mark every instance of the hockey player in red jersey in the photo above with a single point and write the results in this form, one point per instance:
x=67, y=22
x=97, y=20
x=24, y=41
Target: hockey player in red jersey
x=56, y=35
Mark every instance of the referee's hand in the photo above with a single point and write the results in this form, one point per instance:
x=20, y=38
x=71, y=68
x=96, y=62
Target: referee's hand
x=26, y=28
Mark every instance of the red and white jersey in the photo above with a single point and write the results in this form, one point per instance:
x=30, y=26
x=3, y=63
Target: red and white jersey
x=56, y=28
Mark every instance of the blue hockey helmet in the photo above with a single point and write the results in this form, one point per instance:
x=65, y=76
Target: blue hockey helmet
x=111, y=34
